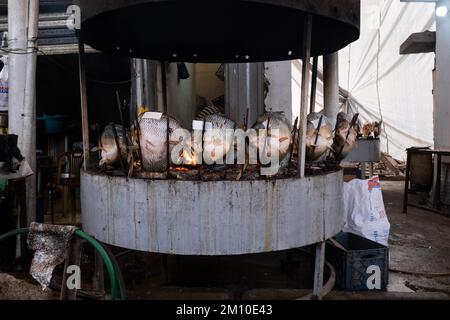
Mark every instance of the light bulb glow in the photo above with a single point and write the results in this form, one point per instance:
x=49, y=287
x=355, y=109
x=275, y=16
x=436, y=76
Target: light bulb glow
x=441, y=11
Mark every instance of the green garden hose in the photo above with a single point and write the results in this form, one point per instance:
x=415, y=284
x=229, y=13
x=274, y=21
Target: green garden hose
x=105, y=257
x=111, y=268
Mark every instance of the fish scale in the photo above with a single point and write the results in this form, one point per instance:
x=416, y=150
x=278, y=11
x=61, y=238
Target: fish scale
x=153, y=140
x=110, y=154
x=221, y=141
x=276, y=120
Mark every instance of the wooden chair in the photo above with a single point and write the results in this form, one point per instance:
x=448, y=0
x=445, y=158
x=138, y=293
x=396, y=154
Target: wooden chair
x=68, y=168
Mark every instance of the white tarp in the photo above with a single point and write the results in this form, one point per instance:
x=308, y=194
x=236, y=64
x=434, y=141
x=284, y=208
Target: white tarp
x=383, y=83
x=379, y=82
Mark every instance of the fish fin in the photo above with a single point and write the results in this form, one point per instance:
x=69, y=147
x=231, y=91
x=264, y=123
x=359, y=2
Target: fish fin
x=95, y=149
x=283, y=139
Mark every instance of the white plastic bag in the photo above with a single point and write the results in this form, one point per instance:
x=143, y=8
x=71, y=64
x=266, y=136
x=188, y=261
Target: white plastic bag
x=4, y=88
x=364, y=210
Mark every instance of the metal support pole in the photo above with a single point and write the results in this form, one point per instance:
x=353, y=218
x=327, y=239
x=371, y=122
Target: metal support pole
x=437, y=189
x=164, y=67
x=315, y=67
x=139, y=76
x=84, y=107
x=23, y=16
x=99, y=277
x=17, y=43
x=407, y=176
x=306, y=78
x=331, y=86
x=318, y=270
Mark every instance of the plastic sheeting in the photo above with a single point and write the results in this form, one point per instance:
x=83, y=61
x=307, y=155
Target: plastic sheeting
x=381, y=83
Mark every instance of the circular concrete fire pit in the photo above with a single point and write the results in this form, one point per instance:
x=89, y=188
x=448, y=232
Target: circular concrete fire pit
x=211, y=218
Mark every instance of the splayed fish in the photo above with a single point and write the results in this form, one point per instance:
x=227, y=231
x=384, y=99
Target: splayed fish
x=372, y=130
x=154, y=131
x=110, y=154
x=319, y=136
x=218, y=138
x=345, y=136
x=280, y=142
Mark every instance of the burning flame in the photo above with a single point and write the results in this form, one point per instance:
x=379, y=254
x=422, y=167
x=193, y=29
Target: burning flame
x=187, y=158
x=180, y=169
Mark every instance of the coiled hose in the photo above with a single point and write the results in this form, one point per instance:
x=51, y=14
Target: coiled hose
x=115, y=276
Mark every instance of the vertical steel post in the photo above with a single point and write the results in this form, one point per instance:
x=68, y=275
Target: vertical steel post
x=407, y=176
x=331, y=86
x=315, y=67
x=73, y=257
x=23, y=16
x=318, y=270
x=84, y=107
x=306, y=77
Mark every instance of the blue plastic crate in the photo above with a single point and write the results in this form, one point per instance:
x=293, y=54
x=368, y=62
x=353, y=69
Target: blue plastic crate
x=361, y=264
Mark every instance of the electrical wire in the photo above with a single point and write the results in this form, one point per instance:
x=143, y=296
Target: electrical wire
x=31, y=50
x=75, y=74
x=378, y=81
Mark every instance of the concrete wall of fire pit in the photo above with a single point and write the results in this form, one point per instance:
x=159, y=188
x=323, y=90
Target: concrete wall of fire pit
x=211, y=218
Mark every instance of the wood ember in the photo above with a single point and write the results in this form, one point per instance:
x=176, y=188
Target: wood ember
x=183, y=174
x=151, y=175
x=228, y=172
x=208, y=174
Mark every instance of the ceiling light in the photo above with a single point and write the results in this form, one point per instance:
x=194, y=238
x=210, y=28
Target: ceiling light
x=441, y=11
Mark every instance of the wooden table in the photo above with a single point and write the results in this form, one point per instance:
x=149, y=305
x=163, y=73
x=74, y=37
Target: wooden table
x=439, y=153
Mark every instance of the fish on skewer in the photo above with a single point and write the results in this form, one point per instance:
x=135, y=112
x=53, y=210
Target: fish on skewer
x=153, y=142
x=110, y=154
x=218, y=140
x=281, y=142
x=345, y=136
x=372, y=130
x=319, y=136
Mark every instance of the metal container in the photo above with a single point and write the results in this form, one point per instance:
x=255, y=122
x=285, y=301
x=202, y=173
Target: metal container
x=211, y=218
x=365, y=150
x=219, y=30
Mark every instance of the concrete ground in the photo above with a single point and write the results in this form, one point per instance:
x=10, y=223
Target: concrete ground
x=419, y=244
x=419, y=263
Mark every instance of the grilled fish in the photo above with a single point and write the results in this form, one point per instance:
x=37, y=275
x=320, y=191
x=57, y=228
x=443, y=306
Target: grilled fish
x=318, y=140
x=218, y=138
x=109, y=152
x=345, y=137
x=153, y=142
x=280, y=143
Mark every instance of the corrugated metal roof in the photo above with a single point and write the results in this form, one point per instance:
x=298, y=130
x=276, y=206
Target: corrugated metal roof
x=54, y=37
x=45, y=6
